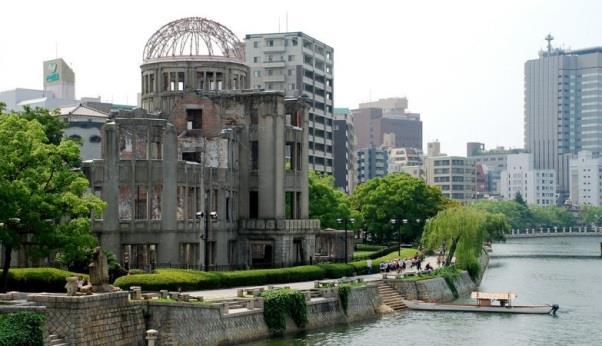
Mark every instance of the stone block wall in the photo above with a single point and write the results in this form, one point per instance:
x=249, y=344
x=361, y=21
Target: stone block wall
x=433, y=290
x=100, y=319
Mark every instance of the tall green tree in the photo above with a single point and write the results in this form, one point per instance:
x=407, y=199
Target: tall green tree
x=551, y=216
x=44, y=202
x=397, y=196
x=461, y=231
x=518, y=198
x=326, y=202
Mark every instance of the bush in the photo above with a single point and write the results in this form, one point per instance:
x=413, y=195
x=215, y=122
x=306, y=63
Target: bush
x=474, y=270
x=344, y=291
x=278, y=304
x=188, y=280
x=38, y=279
x=369, y=247
x=21, y=329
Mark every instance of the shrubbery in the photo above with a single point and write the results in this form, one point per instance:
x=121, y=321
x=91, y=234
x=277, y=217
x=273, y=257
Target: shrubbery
x=38, y=279
x=369, y=247
x=278, y=304
x=174, y=279
x=21, y=329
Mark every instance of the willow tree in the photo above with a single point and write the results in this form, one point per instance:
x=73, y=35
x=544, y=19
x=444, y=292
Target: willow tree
x=461, y=231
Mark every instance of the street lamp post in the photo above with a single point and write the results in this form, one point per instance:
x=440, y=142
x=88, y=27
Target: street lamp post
x=398, y=222
x=213, y=216
x=344, y=222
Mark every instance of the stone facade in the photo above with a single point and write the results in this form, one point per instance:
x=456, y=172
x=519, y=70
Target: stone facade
x=216, y=175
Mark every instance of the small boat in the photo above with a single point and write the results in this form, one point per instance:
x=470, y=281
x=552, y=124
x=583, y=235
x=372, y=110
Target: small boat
x=485, y=304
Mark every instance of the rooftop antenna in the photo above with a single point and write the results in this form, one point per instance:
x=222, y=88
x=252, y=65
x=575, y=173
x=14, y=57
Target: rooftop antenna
x=549, y=38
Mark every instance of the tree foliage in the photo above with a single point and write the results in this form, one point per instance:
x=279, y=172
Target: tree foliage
x=326, y=202
x=397, y=196
x=518, y=215
x=591, y=214
x=44, y=201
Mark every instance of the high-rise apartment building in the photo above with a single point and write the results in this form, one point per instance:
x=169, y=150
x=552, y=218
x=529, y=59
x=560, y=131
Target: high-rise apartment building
x=371, y=163
x=536, y=186
x=402, y=157
x=490, y=164
x=299, y=65
x=387, y=122
x=344, y=150
x=563, y=111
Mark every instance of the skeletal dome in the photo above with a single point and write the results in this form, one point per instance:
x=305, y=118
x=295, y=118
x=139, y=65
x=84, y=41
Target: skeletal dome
x=193, y=36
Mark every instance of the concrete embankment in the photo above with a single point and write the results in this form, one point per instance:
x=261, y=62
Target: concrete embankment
x=437, y=289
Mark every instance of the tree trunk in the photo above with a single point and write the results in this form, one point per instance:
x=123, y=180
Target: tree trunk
x=452, y=250
x=7, y=258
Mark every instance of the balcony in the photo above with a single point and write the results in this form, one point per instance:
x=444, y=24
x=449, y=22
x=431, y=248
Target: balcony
x=274, y=49
x=274, y=64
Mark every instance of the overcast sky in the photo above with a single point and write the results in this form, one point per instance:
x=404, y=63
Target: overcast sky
x=460, y=63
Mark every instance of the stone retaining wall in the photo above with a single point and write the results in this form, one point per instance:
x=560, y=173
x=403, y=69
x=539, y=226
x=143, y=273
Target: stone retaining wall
x=100, y=319
x=437, y=290
x=193, y=324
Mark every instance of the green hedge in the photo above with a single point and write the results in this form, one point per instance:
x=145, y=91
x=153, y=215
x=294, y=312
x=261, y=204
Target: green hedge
x=278, y=304
x=369, y=247
x=21, y=329
x=38, y=279
x=188, y=280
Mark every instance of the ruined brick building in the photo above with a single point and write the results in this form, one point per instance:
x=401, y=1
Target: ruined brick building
x=208, y=172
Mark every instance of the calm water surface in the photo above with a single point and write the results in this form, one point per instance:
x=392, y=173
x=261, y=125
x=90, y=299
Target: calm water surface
x=575, y=284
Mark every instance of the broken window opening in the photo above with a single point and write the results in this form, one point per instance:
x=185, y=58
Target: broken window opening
x=232, y=258
x=289, y=205
x=192, y=156
x=289, y=160
x=181, y=81
x=254, y=155
x=194, y=119
x=189, y=254
x=180, y=203
x=125, y=144
x=156, y=202
x=151, y=83
x=141, y=203
x=125, y=202
x=253, y=204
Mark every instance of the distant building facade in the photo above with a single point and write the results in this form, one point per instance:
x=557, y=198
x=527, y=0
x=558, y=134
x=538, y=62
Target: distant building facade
x=490, y=164
x=563, y=114
x=585, y=179
x=455, y=175
x=300, y=66
x=402, y=157
x=536, y=186
x=375, y=122
x=59, y=89
x=344, y=150
x=371, y=163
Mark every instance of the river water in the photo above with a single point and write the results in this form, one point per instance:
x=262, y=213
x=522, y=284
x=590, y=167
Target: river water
x=573, y=283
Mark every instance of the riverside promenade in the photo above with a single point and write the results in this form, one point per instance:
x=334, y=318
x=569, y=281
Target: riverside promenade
x=304, y=285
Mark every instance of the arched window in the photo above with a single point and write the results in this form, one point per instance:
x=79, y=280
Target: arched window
x=95, y=139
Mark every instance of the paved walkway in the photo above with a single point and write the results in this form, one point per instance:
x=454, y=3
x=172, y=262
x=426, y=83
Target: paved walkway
x=231, y=292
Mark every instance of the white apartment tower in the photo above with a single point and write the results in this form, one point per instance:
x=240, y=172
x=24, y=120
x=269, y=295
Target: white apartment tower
x=299, y=65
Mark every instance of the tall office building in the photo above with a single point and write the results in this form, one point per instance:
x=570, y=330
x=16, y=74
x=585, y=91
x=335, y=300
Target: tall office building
x=387, y=122
x=563, y=111
x=299, y=65
x=344, y=150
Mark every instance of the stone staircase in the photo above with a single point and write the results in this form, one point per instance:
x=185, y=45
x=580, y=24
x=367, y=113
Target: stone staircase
x=390, y=297
x=55, y=340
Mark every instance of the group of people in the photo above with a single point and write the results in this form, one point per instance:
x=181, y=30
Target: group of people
x=399, y=265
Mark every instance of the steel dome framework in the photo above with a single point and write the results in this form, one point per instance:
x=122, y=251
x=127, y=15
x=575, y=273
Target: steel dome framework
x=193, y=36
